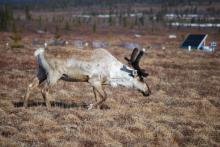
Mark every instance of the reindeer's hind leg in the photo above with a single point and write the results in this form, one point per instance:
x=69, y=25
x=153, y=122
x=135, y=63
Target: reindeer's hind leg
x=31, y=86
x=49, y=83
x=46, y=96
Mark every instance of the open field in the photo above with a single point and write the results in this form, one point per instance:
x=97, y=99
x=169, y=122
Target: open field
x=183, y=110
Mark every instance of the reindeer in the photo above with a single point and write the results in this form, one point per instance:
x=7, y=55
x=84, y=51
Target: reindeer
x=100, y=68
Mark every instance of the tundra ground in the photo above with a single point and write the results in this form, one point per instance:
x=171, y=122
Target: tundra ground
x=183, y=110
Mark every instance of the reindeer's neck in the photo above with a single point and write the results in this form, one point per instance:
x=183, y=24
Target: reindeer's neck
x=121, y=77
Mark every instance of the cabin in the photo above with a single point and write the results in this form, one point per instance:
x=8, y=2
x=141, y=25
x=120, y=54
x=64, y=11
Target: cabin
x=194, y=41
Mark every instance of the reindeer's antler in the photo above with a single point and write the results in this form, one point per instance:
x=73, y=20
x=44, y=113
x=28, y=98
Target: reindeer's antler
x=134, y=55
x=134, y=62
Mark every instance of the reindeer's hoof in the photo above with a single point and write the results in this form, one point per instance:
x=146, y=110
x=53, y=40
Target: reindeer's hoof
x=90, y=106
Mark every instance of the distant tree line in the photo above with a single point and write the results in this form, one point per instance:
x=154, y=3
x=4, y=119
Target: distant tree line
x=53, y=4
x=117, y=16
x=6, y=18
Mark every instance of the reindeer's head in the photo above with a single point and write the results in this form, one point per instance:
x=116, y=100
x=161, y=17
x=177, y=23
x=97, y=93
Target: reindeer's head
x=141, y=74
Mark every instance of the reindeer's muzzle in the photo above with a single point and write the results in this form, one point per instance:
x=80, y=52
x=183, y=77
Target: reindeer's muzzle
x=148, y=92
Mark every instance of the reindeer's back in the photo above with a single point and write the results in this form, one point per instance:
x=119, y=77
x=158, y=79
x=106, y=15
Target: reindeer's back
x=98, y=61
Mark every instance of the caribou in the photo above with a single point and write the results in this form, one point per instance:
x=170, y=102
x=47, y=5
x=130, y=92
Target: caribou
x=99, y=69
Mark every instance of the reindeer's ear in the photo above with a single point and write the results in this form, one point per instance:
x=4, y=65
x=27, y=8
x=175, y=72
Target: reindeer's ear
x=134, y=73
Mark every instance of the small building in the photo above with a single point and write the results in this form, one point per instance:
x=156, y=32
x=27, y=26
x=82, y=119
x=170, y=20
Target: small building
x=194, y=41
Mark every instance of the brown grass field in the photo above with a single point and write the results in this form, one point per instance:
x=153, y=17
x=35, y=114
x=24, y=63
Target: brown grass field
x=183, y=110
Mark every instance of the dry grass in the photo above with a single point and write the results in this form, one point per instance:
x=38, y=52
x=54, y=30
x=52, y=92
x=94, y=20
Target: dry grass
x=183, y=110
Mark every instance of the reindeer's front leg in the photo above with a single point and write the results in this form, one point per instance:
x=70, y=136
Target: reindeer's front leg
x=98, y=90
x=95, y=94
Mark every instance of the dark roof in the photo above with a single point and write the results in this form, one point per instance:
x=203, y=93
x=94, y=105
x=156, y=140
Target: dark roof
x=193, y=40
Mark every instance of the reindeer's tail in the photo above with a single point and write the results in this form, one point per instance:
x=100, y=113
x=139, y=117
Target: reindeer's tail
x=42, y=62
